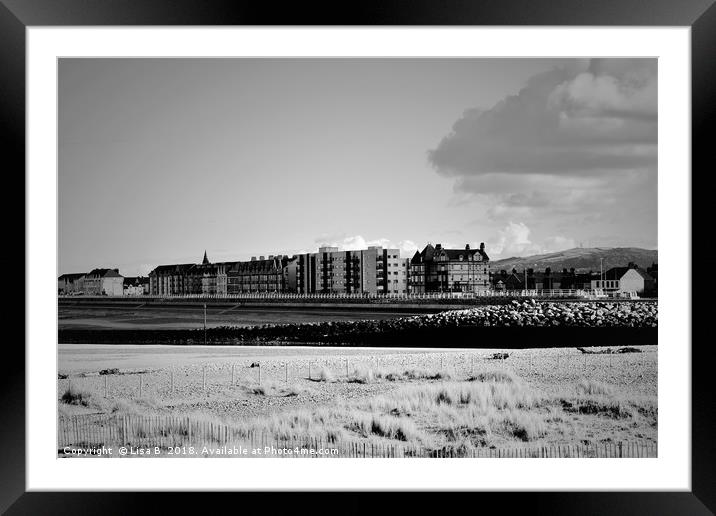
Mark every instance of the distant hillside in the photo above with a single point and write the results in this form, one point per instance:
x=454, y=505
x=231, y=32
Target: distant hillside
x=582, y=259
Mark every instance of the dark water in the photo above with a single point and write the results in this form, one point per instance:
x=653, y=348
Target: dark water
x=193, y=317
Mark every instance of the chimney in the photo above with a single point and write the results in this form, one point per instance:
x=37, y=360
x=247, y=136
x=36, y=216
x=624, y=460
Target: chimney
x=270, y=257
x=253, y=258
x=467, y=247
x=262, y=257
x=482, y=246
x=438, y=246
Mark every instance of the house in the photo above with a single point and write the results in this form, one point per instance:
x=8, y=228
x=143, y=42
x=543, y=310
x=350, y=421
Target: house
x=436, y=269
x=572, y=280
x=507, y=281
x=136, y=286
x=548, y=280
x=103, y=282
x=69, y=284
x=626, y=279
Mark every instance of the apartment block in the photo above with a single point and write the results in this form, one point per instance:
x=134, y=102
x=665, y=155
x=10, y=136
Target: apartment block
x=331, y=271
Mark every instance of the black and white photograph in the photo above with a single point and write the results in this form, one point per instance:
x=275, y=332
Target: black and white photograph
x=357, y=258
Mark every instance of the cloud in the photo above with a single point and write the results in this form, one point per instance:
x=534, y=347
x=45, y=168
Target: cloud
x=514, y=240
x=576, y=143
x=563, y=122
x=350, y=243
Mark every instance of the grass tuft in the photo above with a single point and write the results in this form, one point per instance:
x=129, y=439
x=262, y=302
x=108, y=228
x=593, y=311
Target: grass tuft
x=494, y=376
x=75, y=396
x=325, y=375
x=593, y=388
x=273, y=389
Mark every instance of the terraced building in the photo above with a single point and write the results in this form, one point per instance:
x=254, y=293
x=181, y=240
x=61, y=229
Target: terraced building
x=257, y=275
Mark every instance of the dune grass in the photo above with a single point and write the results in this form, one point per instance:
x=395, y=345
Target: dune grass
x=367, y=375
x=492, y=408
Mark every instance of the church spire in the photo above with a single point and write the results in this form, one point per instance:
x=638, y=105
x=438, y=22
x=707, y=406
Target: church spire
x=206, y=259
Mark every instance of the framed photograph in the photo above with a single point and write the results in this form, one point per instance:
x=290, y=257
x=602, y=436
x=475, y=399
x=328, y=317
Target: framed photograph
x=421, y=244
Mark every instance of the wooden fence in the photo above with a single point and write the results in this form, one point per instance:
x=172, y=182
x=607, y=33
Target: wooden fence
x=173, y=435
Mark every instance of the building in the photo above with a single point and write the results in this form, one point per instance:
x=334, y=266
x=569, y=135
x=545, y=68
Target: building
x=169, y=280
x=436, y=269
x=258, y=275
x=626, y=279
x=331, y=271
x=69, y=284
x=653, y=271
x=221, y=278
x=397, y=273
x=136, y=285
x=507, y=281
x=548, y=280
x=103, y=282
x=206, y=278
x=572, y=280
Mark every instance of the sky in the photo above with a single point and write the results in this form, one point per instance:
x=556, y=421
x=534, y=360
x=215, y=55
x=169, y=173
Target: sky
x=161, y=159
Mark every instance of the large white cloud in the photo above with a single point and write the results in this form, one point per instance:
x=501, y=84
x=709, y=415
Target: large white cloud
x=356, y=242
x=515, y=240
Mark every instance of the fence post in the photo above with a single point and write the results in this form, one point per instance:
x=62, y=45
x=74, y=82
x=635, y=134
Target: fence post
x=105, y=386
x=140, y=385
x=203, y=378
x=259, y=368
x=309, y=368
x=285, y=365
x=233, y=370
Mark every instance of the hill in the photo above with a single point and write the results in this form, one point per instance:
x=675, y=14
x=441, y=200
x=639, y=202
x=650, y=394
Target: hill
x=582, y=259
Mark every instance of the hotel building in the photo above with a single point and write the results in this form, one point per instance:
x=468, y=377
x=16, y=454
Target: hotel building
x=436, y=269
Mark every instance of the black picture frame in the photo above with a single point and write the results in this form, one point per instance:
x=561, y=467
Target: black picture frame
x=700, y=15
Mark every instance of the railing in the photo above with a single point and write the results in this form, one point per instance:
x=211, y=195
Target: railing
x=541, y=293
